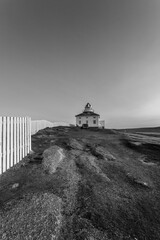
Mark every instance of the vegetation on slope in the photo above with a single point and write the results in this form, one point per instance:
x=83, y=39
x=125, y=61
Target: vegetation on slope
x=103, y=188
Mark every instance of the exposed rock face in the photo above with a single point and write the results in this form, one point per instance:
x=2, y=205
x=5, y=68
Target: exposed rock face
x=15, y=185
x=74, y=144
x=104, y=153
x=89, y=162
x=52, y=158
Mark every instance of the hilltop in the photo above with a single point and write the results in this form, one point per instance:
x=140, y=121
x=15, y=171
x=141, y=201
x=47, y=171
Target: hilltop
x=91, y=184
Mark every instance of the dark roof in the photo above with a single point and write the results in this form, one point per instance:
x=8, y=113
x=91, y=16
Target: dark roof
x=85, y=114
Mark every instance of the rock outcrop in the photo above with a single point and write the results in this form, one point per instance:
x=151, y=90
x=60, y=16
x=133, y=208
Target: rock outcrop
x=52, y=157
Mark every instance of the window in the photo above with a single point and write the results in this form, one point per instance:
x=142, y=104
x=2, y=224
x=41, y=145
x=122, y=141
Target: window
x=87, y=121
x=79, y=122
x=79, y=117
x=94, y=121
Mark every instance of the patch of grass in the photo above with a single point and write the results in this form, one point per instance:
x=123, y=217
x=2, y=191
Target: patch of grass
x=151, y=151
x=119, y=209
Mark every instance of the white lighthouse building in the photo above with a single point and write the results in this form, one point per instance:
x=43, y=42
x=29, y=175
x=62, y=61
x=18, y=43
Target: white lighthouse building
x=88, y=116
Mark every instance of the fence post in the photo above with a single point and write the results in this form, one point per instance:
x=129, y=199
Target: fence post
x=1, y=157
x=28, y=132
x=20, y=138
x=24, y=145
x=11, y=147
x=15, y=140
x=30, y=141
x=23, y=135
x=8, y=142
x=4, y=144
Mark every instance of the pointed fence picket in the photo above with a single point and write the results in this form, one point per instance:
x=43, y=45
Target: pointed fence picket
x=15, y=140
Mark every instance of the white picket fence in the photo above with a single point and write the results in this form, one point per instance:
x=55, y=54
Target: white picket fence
x=37, y=125
x=15, y=140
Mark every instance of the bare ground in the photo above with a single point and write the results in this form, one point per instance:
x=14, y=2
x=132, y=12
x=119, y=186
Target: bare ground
x=106, y=187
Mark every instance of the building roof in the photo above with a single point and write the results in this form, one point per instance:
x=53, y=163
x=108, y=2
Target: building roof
x=87, y=114
x=88, y=111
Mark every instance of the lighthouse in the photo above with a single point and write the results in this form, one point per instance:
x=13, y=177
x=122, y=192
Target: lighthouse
x=88, y=116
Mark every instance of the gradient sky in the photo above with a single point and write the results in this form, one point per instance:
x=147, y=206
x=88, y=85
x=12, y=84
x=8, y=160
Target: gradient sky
x=57, y=55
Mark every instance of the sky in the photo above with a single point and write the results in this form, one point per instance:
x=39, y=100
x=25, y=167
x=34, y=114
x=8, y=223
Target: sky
x=57, y=55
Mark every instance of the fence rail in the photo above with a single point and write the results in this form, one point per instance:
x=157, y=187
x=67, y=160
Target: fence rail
x=15, y=140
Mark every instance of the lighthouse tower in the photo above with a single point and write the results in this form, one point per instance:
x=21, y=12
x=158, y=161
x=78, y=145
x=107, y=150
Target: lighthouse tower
x=88, y=108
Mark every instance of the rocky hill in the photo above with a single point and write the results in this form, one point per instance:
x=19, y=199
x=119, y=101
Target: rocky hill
x=83, y=184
